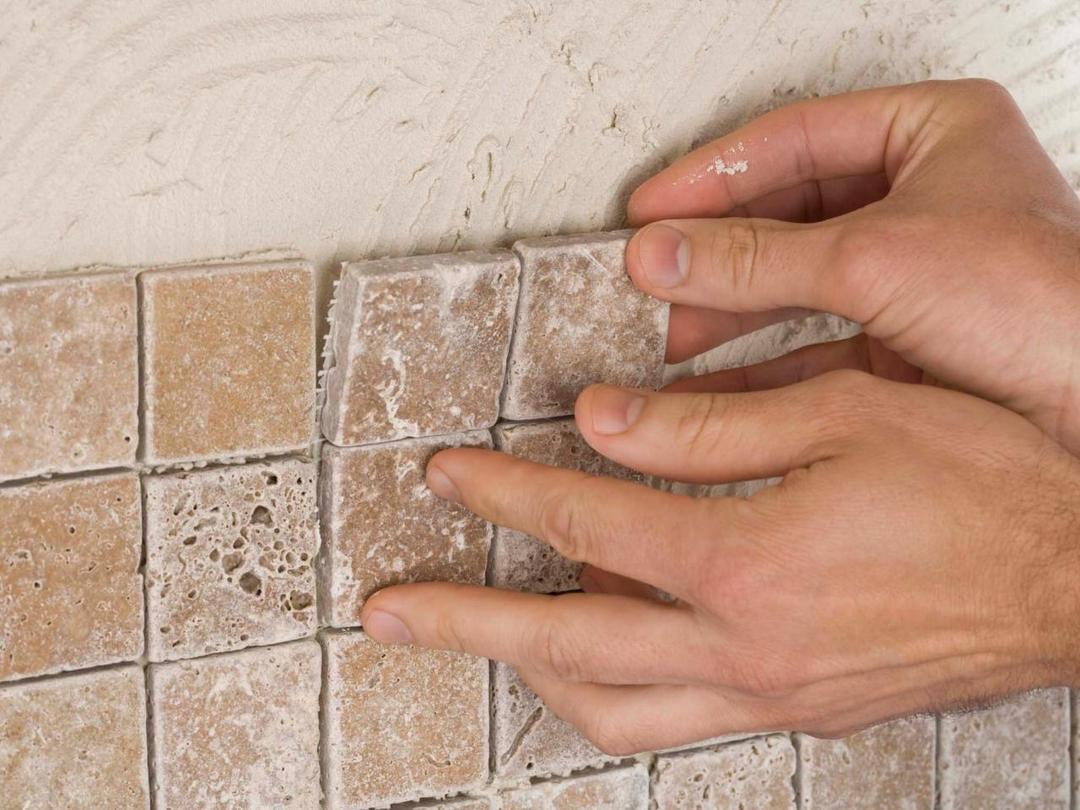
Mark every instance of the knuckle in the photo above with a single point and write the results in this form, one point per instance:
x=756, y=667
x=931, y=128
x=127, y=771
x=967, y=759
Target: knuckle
x=736, y=253
x=551, y=651
x=565, y=524
x=607, y=731
x=696, y=428
x=848, y=401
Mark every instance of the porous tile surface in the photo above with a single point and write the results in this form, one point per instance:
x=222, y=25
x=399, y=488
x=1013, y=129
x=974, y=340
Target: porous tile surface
x=382, y=526
x=70, y=588
x=77, y=741
x=891, y=765
x=69, y=379
x=753, y=773
x=228, y=360
x=617, y=789
x=401, y=723
x=1015, y=755
x=519, y=561
x=470, y=803
x=238, y=730
x=530, y=740
x=418, y=346
x=580, y=321
x=230, y=557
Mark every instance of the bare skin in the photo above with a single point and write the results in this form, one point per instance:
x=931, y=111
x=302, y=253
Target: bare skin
x=923, y=549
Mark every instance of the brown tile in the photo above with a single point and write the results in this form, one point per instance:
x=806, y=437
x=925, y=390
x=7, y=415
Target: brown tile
x=531, y=741
x=401, y=723
x=523, y=563
x=891, y=765
x=78, y=741
x=238, y=730
x=381, y=525
x=580, y=321
x=230, y=557
x=418, y=346
x=617, y=789
x=69, y=378
x=1014, y=755
x=70, y=589
x=1076, y=748
x=228, y=360
x=753, y=773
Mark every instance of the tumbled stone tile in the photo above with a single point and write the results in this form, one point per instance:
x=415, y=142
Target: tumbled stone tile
x=230, y=557
x=521, y=562
x=382, y=526
x=401, y=723
x=753, y=773
x=617, y=789
x=1013, y=755
x=580, y=321
x=891, y=765
x=418, y=346
x=69, y=378
x=228, y=361
x=238, y=730
x=529, y=739
x=466, y=803
x=70, y=589
x=78, y=741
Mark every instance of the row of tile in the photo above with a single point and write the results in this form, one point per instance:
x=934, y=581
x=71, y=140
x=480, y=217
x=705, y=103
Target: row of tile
x=418, y=346
x=400, y=725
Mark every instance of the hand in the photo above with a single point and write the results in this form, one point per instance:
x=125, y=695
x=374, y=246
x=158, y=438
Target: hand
x=935, y=220
x=921, y=553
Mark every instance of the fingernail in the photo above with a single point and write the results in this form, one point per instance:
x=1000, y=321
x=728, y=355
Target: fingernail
x=386, y=628
x=440, y=483
x=614, y=410
x=665, y=255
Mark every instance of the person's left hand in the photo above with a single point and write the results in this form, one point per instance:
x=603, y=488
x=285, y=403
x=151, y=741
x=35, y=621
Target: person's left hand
x=921, y=553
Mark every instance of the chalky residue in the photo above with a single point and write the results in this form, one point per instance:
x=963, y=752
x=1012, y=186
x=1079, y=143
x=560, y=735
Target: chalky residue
x=617, y=789
x=230, y=557
x=238, y=730
x=753, y=773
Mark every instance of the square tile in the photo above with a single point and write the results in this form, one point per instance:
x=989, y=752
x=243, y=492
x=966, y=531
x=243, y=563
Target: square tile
x=381, y=525
x=754, y=773
x=70, y=588
x=616, y=789
x=401, y=723
x=228, y=361
x=69, y=374
x=230, y=557
x=580, y=321
x=418, y=346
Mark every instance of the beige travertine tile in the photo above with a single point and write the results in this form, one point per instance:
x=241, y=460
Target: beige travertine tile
x=891, y=765
x=238, y=730
x=77, y=741
x=467, y=803
x=531, y=741
x=616, y=789
x=580, y=321
x=228, y=360
x=69, y=374
x=418, y=346
x=1075, y=717
x=524, y=563
x=1015, y=755
x=381, y=525
x=230, y=557
x=70, y=588
x=401, y=723
x=753, y=773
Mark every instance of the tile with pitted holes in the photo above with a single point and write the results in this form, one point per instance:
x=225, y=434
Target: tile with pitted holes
x=616, y=789
x=580, y=321
x=230, y=557
x=70, y=588
x=401, y=723
x=1013, y=755
x=418, y=346
x=891, y=765
x=382, y=526
x=69, y=374
x=228, y=361
x=238, y=730
x=751, y=773
x=519, y=561
x=76, y=741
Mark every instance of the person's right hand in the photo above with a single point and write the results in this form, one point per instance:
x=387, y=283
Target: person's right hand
x=928, y=213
